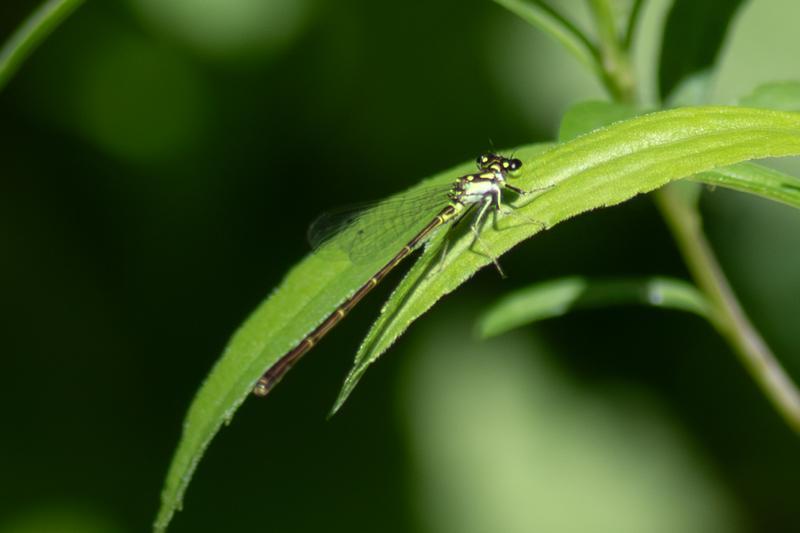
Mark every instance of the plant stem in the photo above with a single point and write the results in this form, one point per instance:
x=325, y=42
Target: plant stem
x=685, y=223
x=31, y=33
x=731, y=321
x=617, y=70
x=548, y=19
x=630, y=27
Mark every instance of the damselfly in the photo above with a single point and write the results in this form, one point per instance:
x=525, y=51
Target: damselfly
x=365, y=232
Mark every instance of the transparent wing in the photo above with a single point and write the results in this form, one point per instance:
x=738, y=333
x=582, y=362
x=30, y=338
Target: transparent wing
x=365, y=230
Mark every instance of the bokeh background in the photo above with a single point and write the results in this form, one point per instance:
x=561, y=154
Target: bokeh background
x=160, y=164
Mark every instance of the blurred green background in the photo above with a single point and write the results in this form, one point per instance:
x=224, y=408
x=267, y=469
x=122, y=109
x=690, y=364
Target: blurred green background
x=160, y=164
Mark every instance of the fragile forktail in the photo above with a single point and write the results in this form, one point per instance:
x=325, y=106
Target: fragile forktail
x=482, y=190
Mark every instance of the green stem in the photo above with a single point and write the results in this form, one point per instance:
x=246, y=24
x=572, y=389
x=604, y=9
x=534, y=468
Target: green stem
x=560, y=21
x=563, y=30
x=31, y=33
x=731, y=321
x=630, y=27
x=685, y=223
x=617, y=69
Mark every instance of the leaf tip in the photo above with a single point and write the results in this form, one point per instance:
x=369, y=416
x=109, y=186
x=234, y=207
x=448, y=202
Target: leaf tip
x=344, y=393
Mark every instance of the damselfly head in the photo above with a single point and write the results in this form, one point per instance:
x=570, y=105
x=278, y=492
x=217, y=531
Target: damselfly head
x=498, y=163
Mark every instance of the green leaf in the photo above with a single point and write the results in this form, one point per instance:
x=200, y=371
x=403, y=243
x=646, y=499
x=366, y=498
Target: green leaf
x=783, y=96
x=31, y=33
x=693, y=35
x=755, y=179
x=746, y=177
x=602, y=168
x=599, y=169
x=558, y=297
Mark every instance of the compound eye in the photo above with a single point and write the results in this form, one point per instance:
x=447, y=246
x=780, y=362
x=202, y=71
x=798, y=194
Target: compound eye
x=514, y=164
